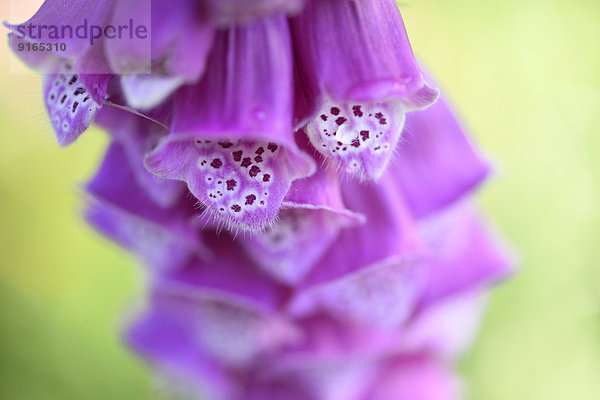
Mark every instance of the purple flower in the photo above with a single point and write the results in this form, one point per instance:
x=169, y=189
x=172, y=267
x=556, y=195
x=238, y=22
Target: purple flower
x=75, y=81
x=232, y=139
x=298, y=192
x=359, y=84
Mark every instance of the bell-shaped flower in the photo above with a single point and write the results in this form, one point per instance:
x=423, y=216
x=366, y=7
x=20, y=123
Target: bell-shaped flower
x=232, y=139
x=75, y=80
x=359, y=78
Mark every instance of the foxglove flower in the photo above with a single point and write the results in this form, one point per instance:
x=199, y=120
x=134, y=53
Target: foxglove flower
x=76, y=80
x=232, y=139
x=360, y=83
x=297, y=191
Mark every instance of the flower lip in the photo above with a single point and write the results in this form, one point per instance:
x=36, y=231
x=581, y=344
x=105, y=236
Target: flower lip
x=239, y=187
x=71, y=101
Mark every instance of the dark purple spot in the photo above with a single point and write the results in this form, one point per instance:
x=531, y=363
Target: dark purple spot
x=73, y=80
x=324, y=117
x=75, y=105
x=357, y=111
x=250, y=199
x=254, y=171
x=364, y=135
x=380, y=118
x=260, y=150
x=237, y=155
x=52, y=97
x=355, y=143
x=79, y=91
x=335, y=110
x=231, y=184
x=266, y=178
x=64, y=98
x=273, y=147
x=340, y=121
x=216, y=163
x=86, y=99
x=258, y=159
x=246, y=162
x=236, y=208
x=339, y=143
x=227, y=144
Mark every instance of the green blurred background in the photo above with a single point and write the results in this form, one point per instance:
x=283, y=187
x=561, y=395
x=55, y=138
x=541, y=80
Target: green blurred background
x=526, y=77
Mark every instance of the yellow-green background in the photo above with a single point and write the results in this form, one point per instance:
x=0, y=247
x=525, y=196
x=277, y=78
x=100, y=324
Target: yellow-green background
x=526, y=77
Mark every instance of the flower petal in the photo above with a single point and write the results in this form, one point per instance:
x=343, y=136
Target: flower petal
x=166, y=340
x=290, y=248
x=417, y=378
x=234, y=309
x=236, y=279
x=232, y=140
x=175, y=53
x=458, y=318
x=144, y=92
x=138, y=136
x=371, y=273
x=74, y=88
x=463, y=254
x=120, y=209
x=437, y=163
